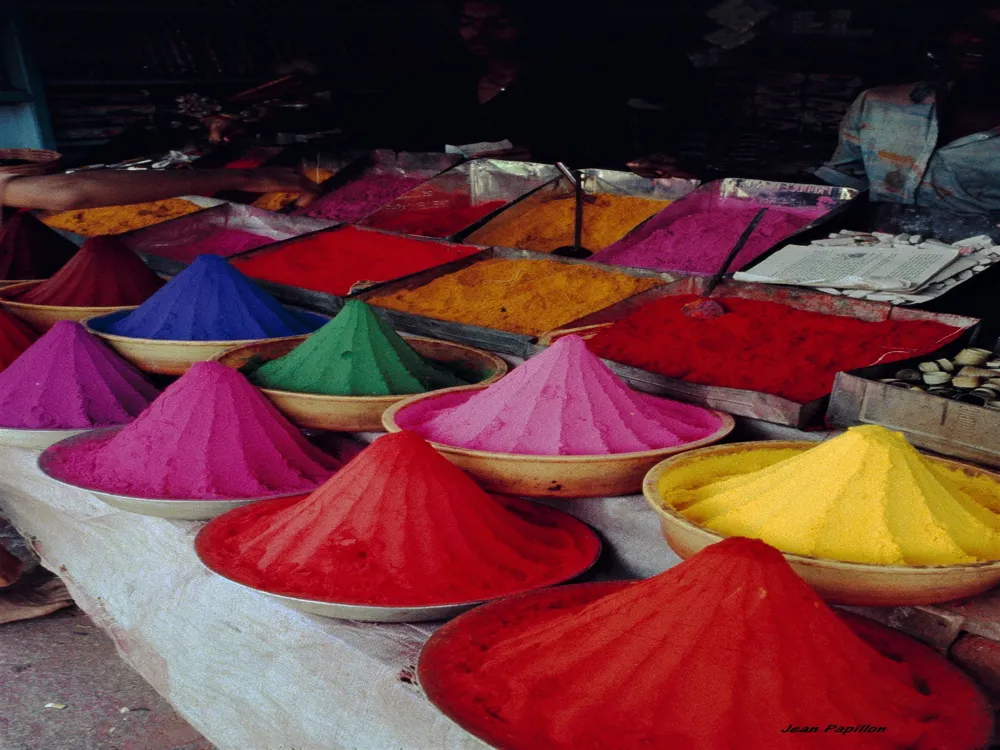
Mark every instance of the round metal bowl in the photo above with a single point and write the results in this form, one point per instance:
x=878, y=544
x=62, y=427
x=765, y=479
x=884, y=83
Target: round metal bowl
x=164, y=357
x=357, y=413
x=372, y=613
x=43, y=317
x=194, y=509
x=552, y=476
x=36, y=440
x=836, y=581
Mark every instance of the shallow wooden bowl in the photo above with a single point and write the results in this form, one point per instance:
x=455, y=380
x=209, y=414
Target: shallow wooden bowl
x=43, y=317
x=553, y=476
x=358, y=413
x=836, y=581
x=163, y=357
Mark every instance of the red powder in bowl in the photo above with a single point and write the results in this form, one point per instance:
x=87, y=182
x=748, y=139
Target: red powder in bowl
x=15, y=338
x=333, y=261
x=725, y=651
x=761, y=346
x=398, y=526
x=31, y=250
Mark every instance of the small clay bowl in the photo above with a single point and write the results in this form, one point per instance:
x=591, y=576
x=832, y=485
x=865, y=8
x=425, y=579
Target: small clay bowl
x=358, y=413
x=838, y=582
x=43, y=317
x=179, y=509
x=164, y=357
x=35, y=440
x=563, y=477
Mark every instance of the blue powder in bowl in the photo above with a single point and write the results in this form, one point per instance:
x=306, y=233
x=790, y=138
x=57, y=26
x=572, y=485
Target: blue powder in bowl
x=209, y=301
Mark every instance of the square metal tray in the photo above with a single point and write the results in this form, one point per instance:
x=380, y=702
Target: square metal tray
x=761, y=406
x=502, y=342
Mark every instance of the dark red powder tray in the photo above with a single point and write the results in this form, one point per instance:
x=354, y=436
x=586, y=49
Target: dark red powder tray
x=449, y=663
x=382, y=613
x=178, y=509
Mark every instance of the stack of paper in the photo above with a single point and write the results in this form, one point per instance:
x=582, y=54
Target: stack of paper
x=901, y=269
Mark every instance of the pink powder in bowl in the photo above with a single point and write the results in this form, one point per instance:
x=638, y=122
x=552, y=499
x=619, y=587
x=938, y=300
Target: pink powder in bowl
x=355, y=200
x=210, y=435
x=562, y=402
x=221, y=241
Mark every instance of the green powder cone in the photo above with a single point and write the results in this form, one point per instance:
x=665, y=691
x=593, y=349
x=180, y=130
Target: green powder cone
x=355, y=354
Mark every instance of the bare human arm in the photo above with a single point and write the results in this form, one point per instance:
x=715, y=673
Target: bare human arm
x=64, y=192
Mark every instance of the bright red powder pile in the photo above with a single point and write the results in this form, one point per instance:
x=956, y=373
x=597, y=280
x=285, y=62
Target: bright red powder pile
x=398, y=526
x=761, y=346
x=430, y=212
x=104, y=273
x=15, y=338
x=31, y=250
x=333, y=261
x=209, y=435
x=724, y=651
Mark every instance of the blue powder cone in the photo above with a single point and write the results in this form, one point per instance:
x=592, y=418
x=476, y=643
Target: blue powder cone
x=212, y=301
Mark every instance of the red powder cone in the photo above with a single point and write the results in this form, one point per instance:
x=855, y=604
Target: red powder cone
x=104, y=273
x=31, y=250
x=15, y=338
x=398, y=526
x=727, y=650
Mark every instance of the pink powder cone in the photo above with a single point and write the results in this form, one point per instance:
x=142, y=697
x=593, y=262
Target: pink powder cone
x=563, y=402
x=69, y=380
x=211, y=435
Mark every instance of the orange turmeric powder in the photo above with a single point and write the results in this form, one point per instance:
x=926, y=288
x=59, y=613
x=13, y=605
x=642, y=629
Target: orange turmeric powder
x=521, y=296
x=277, y=201
x=91, y=222
x=544, y=223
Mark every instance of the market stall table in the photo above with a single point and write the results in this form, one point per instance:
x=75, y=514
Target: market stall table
x=247, y=672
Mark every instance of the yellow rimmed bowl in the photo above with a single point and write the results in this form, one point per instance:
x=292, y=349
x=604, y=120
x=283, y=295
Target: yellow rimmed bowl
x=165, y=357
x=551, y=476
x=359, y=413
x=839, y=582
x=43, y=317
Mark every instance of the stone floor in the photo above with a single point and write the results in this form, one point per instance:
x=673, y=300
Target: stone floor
x=99, y=703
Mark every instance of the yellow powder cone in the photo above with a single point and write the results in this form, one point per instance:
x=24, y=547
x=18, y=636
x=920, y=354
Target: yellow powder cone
x=867, y=496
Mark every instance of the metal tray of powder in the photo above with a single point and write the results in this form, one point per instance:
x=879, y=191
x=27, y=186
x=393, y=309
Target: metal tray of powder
x=825, y=200
x=736, y=401
x=163, y=245
x=951, y=428
x=491, y=339
x=464, y=198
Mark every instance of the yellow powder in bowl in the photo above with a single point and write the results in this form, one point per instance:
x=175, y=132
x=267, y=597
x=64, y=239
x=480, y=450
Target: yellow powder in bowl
x=117, y=219
x=521, y=296
x=866, y=496
x=277, y=201
x=543, y=223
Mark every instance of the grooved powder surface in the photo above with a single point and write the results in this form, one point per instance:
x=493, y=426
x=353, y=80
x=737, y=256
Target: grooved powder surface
x=221, y=241
x=15, y=338
x=212, y=301
x=209, y=435
x=398, y=526
x=334, y=261
x=761, y=346
x=104, y=273
x=543, y=223
x=357, y=199
x=355, y=354
x=723, y=651
x=118, y=219
x=69, y=380
x=879, y=502
x=30, y=250
x=522, y=296
x=563, y=401
x=428, y=211
x=698, y=242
